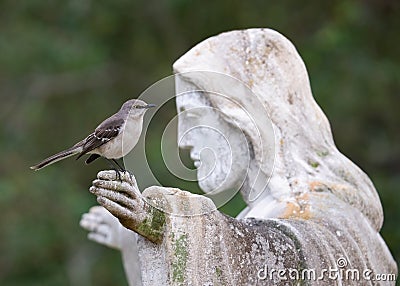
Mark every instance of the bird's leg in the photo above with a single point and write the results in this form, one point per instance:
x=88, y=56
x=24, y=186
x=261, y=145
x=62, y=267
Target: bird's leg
x=117, y=168
x=123, y=170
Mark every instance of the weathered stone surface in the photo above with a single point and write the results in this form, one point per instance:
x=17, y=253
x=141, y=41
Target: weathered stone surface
x=315, y=211
x=306, y=157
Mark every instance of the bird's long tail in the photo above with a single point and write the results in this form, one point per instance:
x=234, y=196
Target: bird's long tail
x=57, y=157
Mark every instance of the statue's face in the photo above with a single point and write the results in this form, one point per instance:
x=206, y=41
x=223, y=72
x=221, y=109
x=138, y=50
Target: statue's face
x=218, y=149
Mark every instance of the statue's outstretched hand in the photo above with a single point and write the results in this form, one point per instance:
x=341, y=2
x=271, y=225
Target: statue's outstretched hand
x=121, y=197
x=103, y=227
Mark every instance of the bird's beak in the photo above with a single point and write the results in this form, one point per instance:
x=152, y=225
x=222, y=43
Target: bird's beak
x=149, y=105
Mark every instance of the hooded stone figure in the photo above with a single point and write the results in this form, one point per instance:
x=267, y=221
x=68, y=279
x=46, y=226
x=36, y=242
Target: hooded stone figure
x=310, y=209
x=278, y=93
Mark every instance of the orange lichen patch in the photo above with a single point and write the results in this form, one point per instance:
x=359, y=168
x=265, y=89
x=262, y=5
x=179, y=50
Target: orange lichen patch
x=234, y=50
x=316, y=186
x=250, y=83
x=299, y=209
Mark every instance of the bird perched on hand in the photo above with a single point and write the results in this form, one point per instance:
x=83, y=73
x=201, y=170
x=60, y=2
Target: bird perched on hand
x=112, y=139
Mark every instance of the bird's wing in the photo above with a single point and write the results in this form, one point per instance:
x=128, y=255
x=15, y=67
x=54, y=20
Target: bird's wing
x=106, y=131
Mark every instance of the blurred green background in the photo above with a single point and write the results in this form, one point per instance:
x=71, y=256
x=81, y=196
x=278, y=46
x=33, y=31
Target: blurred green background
x=65, y=64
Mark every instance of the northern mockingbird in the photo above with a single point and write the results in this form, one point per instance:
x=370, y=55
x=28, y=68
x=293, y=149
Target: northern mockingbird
x=112, y=139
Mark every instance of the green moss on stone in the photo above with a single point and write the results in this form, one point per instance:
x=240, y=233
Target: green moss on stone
x=153, y=227
x=181, y=254
x=218, y=271
x=313, y=164
x=322, y=153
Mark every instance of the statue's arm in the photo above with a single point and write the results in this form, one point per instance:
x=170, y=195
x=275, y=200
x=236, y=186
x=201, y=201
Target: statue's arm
x=104, y=228
x=178, y=229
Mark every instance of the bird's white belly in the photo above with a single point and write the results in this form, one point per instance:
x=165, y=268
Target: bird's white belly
x=121, y=145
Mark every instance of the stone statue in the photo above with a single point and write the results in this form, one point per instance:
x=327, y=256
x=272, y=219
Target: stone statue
x=313, y=217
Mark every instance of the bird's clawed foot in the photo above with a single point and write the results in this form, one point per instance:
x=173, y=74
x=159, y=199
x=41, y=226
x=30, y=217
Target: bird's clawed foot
x=123, y=172
x=118, y=169
x=118, y=174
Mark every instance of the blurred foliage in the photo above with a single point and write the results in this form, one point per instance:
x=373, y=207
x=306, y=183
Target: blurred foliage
x=65, y=64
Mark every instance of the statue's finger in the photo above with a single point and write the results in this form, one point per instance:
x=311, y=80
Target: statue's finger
x=94, y=218
x=97, y=210
x=123, y=187
x=104, y=229
x=102, y=215
x=112, y=175
x=114, y=196
x=97, y=237
x=107, y=175
x=86, y=224
x=116, y=209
